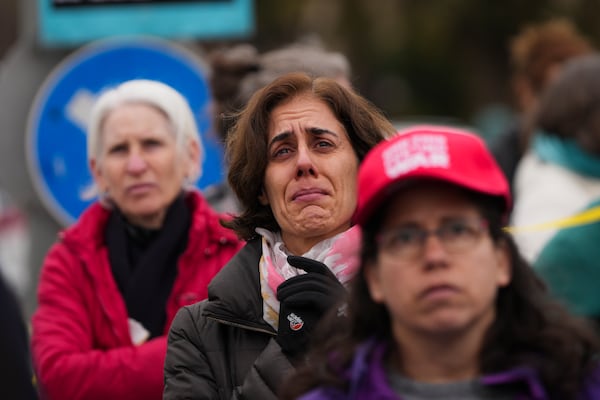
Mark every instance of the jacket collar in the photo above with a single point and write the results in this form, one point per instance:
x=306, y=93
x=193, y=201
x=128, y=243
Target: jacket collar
x=234, y=293
x=205, y=231
x=368, y=368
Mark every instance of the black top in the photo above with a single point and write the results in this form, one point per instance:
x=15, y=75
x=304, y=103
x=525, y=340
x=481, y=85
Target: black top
x=144, y=262
x=16, y=374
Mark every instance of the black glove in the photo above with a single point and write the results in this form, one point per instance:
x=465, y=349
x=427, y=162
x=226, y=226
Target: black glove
x=304, y=299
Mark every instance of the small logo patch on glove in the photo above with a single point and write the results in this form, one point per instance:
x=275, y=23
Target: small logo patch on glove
x=296, y=322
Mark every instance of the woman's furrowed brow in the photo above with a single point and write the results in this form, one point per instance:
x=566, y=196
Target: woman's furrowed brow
x=315, y=131
x=280, y=137
x=321, y=131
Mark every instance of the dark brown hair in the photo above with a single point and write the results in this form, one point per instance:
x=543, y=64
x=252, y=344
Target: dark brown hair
x=537, y=53
x=538, y=48
x=246, y=146
x=570, y=107
x=530, y=329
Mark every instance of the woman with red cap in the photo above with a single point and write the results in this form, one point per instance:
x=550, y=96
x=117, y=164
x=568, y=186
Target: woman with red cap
x=444, y=306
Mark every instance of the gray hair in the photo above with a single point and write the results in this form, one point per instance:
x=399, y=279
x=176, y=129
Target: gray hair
x=153, y=93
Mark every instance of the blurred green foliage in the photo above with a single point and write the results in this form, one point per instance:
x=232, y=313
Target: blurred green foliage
x=422, y=58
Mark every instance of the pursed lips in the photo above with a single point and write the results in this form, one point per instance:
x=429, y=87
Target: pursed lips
x=308, y=194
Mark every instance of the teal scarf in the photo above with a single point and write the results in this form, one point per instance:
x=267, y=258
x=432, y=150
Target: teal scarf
x=566, y=153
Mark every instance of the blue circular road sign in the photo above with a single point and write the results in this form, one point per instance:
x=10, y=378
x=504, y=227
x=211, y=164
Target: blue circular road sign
x=56, y=142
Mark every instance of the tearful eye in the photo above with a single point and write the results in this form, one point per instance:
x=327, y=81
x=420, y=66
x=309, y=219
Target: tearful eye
x=281, y=152
x=324, y=143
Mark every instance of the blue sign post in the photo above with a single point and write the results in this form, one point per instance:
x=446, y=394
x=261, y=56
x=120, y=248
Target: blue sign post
x=56, y=133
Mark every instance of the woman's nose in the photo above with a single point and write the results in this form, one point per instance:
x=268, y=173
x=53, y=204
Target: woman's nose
x=136, y=163
x=433, y=250
x=305, y=165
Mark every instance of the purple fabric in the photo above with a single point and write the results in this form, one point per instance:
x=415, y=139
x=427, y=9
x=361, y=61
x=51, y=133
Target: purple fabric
x=368, y=380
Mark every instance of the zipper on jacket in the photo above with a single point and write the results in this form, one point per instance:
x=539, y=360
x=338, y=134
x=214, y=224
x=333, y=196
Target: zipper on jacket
x=242, y=326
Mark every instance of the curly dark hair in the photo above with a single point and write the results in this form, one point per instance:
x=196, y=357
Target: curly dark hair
x=530, y=329
x=246, y=146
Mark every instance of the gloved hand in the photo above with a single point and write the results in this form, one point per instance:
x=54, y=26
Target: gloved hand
x=304, y=299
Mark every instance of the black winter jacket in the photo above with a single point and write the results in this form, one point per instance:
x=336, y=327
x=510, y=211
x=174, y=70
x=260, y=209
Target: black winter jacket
x=222, y=348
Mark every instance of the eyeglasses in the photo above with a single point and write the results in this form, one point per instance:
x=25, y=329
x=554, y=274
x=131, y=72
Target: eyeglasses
x=408, y=241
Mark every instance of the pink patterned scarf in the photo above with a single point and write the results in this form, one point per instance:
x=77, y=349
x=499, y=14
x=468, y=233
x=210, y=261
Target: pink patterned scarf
x=340, y=253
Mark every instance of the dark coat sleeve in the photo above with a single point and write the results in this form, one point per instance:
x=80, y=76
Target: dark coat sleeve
x=187, y=372
x=16, y=376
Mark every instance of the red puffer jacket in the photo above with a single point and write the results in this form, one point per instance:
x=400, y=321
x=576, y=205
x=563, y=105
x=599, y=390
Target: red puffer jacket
x=81, y=343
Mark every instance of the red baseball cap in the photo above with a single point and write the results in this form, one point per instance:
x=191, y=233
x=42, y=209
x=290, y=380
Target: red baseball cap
x=442, y=153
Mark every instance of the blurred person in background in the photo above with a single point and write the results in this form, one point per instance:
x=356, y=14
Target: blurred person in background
x=443, y=305
x=561, y=179
x=294, y=153
x=15, y=244
x=16, y=374
x=568, y=264
x=536, y=55
x=238, y=72
x=111, y=285
x=559, y=175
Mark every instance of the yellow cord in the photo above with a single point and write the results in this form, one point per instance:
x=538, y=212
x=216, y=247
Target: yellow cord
x=585, y=217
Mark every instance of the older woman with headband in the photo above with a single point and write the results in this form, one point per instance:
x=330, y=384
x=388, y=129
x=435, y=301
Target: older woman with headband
x=444, y=306
x=111, y=285
x=294, y=154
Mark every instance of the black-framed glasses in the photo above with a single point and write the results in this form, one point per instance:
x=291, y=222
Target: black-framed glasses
x=408, y=241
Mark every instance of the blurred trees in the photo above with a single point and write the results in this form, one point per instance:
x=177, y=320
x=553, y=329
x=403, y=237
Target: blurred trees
x=413, y=58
